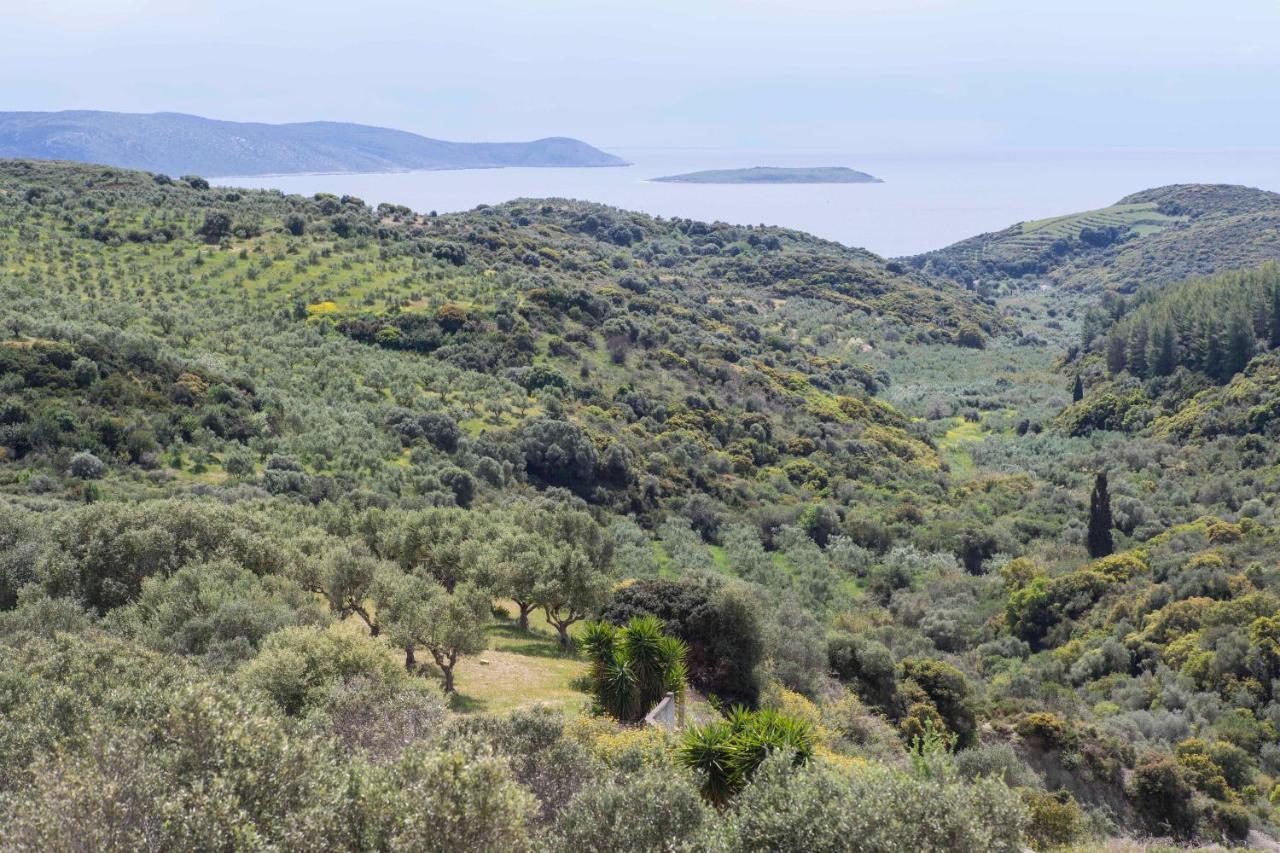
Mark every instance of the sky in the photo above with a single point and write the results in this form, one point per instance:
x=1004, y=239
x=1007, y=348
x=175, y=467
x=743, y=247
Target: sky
x=878, y=75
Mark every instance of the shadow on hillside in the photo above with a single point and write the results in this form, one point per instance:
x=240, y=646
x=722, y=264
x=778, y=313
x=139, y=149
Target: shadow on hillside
x=463, y=704
x=531, y=643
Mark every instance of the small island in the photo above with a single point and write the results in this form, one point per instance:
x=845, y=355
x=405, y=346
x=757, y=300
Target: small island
x=775, y=175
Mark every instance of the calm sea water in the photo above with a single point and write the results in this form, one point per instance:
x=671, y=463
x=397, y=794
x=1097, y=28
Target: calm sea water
x=927, y=201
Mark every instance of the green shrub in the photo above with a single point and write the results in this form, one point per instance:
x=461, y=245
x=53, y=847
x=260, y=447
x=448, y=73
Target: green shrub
x=1049, y=729
x=813, y=808
x=1162, y=797
x=727, y=753
x=650, y=811
x=296, y=668
x=1055, y=818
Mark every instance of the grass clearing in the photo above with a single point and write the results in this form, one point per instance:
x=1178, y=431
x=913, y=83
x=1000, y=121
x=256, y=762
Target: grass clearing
x=520, y=670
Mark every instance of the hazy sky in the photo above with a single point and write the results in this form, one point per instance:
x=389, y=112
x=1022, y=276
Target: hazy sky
x=882, y=75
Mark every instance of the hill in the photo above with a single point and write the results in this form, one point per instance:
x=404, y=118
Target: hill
x=304, y=503
x=774, y=175
x=178, y=144
x=676, y=357
x=1156, y=236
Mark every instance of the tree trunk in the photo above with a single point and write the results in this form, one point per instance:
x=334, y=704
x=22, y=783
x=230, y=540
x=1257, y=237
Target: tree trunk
x=446, y=662
x=409, y=660
x=525, y=610
x=374, y=628
x=562, y=626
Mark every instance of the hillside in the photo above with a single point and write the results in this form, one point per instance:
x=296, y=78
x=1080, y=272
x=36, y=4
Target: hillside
x=177, y=144
x=774, y=175
x=682, y=354
x=1156, y=236
x=308, y=509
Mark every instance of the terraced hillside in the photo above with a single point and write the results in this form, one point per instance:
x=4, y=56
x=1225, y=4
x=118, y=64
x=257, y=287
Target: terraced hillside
x=1152, y=237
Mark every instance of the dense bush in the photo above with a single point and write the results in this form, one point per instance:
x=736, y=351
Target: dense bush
x=719, y=624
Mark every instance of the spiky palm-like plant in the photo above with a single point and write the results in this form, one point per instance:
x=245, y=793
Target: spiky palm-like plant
x=728, y=753
x=708, y=749
x=616, y=690
x=598, y=641
x=633, y=667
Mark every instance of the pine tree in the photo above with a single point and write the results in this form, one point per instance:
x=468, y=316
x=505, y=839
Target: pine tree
x=1164, y=356
x=1273, y=336
x=1214, y=358
x=1115, y=354
x=1138, y=351
x=1240, y=345
x=1100, y=541
x=1077, y=390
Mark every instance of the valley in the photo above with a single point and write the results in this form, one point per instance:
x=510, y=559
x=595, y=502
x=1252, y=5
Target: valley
x=980, y=543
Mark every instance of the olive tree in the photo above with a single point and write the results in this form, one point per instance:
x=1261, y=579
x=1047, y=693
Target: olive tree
x=419, y=613
x=576, y=581
x=344, y=576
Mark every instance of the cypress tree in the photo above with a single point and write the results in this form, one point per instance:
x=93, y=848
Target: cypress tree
x=1100, y=541
x=1077, y=390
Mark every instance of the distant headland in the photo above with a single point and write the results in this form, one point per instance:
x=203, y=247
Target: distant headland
x=179, y=144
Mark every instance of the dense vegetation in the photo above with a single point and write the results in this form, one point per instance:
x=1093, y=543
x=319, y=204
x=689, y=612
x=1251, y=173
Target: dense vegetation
x=1158, y=236
x=324, y=526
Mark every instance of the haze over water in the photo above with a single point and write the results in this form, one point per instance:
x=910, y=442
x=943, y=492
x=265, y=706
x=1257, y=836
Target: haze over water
x=926, y=202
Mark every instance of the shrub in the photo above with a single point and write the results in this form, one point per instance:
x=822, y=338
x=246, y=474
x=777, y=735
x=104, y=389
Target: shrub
x=101, y=553
x=297, y=668
x=948, y=691
x=998, y=760
x=651, y=811
x=1051, y=730
x=218, y=769
x=865, y=665
x=85, y=466
x=218, y=610
x=727, y=753
x=1055, y=818
x=792, y=810
x=447, y=801
x=1228, y=819
x=559, y=453
x=1161, y=796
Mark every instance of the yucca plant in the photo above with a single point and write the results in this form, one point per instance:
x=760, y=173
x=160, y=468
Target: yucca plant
x=708, y=750
x=642, y=644
x=728, y=753
x=766, y=732
x=616, y=691
x=633, y=667
x=597, y=642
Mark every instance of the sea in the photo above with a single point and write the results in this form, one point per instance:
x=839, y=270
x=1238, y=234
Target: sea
x=927, y=200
